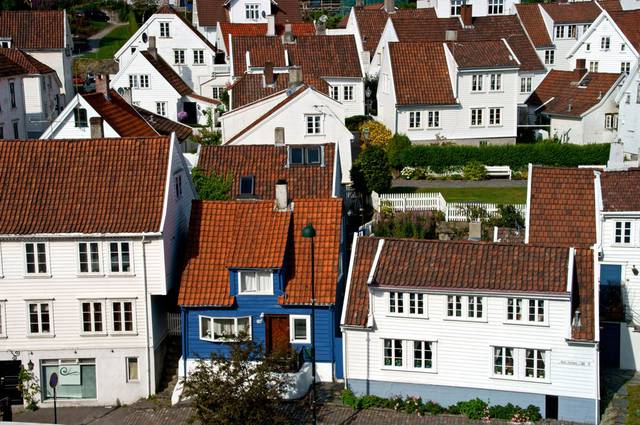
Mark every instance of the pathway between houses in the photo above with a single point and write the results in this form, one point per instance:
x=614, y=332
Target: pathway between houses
x=497, y=183
x=614, y=395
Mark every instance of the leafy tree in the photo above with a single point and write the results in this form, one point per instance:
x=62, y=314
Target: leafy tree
x=395, y=147
x=371, y=171
x=508, y=216
x=374, y=133
x=333, y=19
x=212, y=186
x=242, y=388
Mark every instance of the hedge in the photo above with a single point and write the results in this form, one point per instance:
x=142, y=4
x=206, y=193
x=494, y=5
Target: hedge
x=516, y=156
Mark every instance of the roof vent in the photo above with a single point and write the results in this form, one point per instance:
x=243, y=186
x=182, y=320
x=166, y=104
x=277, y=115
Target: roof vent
x=569, y=107
x=282, y=197
x=451, y=35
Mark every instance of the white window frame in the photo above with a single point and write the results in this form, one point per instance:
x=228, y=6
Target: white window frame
x=525, y=84
x=476, y=83
x=605, y=43
x=593, y=66
x=36, y=263
x=161, y=108
x=549, y=57
x=3, y=319
x=496, y=7
x=198, y=57
x=611, y=121
x=495, y=117
x=177, y=182
x=292, y=330
x=587, y=47
x=400, y=304
x=257, y=274
x=465, y=311
x=89, y=262
x=503, y=362
x=393, y=357
x=315, y=120
x=165, y=29
x=545, y=359
x=179, y=56
x=476, y=115
x=619, y=232
x=144, y=81
x=456, y=7
x=252, y=11
x=334, y=93
x=112, y=321
x=39, y=333
x=120, y=265
x=434, y=350
x=127, y=372
x=415, y=120
x=347, y=93
x=212, y=325
x=433, y=119
x=525, y=305
x=625, y=67
x=495, y=82
x=102, y=303
x=133, y=81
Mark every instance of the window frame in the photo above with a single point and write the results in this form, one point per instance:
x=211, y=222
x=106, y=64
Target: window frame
x=622, y=233
x=12, y=93
x=415, y=120
x=348, y=93
x=477, y=83
x=251, y=179
x=77, y=119
x=252, y=11
x=593, y=66
x=292, y=331
x=495, y=82
x=476, y=115
x=393, y=357
x=433, y=348
x=456, y=7
x=165, y=29
x=198, y=57
x=161, y=108
x=257, y=273
x=47, y=262
x=495, y=115
x=464, y=308
x=503, y=362
x=527, y=84
x=212, y=320
x=433, y=117
x=495, y=7
x=92, y=303
x=549, y=57
x=143, y=82
x=611, y=121
x=605, y=43
x=127, y=370
x=112, y=321
x=39, y=333
x=625, y=67
x=120, y=263
x=316, y=125
x=334, y=93
x=525, y=306
x=179, y=56
x=89, y=261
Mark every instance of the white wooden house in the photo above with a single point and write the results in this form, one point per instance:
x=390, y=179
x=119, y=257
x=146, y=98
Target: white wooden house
x=84, y=278
x=12, y=103
x=452, y=8
x=449, y=321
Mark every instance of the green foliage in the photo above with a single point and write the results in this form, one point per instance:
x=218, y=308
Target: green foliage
x=242, y=388
x=474, y=170
x=333, y=19
x=29, y=388
x=411, y=224
x=133, y=24
x=373, y=132
x=395, y=147
x=439, y=158
x=212, y=186
x=515, y=414
x=353, y=122
x=371, y=171
x=509, y=216
x=475, y=409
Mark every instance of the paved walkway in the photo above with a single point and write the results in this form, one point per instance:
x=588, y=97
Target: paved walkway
x=497, y=183
x=614, y=395
x=95, y=39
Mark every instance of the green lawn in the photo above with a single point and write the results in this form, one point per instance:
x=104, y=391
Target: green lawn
x=633, y=409
x=111, y=43
x=510, y=195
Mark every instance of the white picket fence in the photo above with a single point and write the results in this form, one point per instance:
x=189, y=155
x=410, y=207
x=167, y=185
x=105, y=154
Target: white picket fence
x=434, y=201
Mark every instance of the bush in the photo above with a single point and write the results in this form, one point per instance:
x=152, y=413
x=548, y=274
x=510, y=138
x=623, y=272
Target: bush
x=395, y=147
x=412, y=224
x=378, y=135
x=474, y=170
x=439, y=158
x=353, y=122
x=212, y=186
x=475, y=409
x=371, y=171
x=508, y=216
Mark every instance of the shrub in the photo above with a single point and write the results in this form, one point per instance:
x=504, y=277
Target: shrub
x=398, y=144
x=509, y=216
x=353, y=122
x=474, y=170
x=411, y=224
x=378, y=135
x=475, y=409
x=212, y=186
x=371, y=171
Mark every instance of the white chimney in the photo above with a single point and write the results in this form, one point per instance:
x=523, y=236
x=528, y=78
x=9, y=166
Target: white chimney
x=282, y=197
x=288, y=37
x=271, y=25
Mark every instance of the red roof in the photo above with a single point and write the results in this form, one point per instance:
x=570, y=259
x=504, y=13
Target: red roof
x=627, y=21
x=9, y=68
x=562, y=207
x=268, y=164
x=251, y=87
x=579, y=12
x=124, y=119
x=210, y=12
x=28, y=63
x=83, y=186
x=533, y=22
x=34, y=29
x=225, y=235
x=250, y=30
x=483, y=54
x=620, y=190
x=420, y=74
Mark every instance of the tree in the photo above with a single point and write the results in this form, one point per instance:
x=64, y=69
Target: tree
x=212, y=186
x=371, y=171
x=242, y=388
x=374, y=133
x=395, y=147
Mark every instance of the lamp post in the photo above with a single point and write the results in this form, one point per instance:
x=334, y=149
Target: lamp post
x=309, y=232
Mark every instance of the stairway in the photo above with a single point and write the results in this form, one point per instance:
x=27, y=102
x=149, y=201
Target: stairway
x=169, y=376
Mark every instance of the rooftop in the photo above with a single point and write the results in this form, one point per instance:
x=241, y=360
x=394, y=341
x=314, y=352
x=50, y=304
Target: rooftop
x=210, y=12
x=124, y=119
x=620, y=190
x=26, y=64
x=34, y=29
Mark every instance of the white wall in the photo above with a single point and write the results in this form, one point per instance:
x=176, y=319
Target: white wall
x=479, y=7
x=40, y=93
x=629, y=116
x=59, y=62
x=351, y=107
x=9, y=115
x=64, y=125
x=237, y=12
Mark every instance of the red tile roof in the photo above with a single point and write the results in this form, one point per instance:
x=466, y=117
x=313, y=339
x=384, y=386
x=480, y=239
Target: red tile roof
x=251, y=30
x=210, y=12
x=627, y=21
x=251, y=234
x=580, y=12
x=28, y=63
x=533, y=22
x=34, y=29
x=168, y=9
x=60, y=186
x=357, y=299
x=268, y=164
x=251, y=87
x=9, y=68
x=568, y=93
x=164, y=126
x=620, y=190
x=583, y=296
x=510, y=235
x=124, y=119
x=420, y=74
x=483, y=54
x=610, y=5
x=562, y=207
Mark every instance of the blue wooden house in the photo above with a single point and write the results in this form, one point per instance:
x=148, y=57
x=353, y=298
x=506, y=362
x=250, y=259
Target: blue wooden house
x=248, y=270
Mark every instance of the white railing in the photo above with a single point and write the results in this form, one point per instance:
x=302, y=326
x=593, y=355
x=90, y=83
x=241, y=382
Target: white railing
x=221, y=69
x=434, y=201
x=173, y=324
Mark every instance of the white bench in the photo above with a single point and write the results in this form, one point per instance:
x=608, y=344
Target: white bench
x=498, y=171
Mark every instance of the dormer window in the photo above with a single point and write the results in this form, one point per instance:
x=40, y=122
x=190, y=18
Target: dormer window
x=456, y=7
x=5, y=43
x=252, y=11
x=80, y=117
x=246, y=185
x=305, y=155
x=253, y=282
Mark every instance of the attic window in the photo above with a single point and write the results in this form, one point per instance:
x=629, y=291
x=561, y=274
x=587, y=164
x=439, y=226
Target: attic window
x=5, y=43
x=246, y=185
x=307, y=155
x=80, y=117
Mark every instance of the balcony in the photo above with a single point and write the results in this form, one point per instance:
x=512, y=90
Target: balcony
x=220, y=69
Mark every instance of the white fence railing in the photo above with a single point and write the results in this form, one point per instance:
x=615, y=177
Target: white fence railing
x=173, y=324
x=434, y=201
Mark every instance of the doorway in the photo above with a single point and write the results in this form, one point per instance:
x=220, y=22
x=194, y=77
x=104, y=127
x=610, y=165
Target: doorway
x=277, y=331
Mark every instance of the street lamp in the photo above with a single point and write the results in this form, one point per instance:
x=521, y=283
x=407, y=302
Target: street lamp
x=309, y=232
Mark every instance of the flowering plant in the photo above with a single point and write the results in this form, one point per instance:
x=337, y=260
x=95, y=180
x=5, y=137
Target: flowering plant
x=182, y=115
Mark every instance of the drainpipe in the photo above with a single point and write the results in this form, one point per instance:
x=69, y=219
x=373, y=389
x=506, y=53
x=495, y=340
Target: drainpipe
x=185, y=332
x=146, y=313
x=396, y=124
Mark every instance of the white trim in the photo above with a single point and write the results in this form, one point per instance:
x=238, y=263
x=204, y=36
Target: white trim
x=88, y=243
x=375, y=262
x=563, y=296
x=3, y=319
x=167, y=183
x=292, y=331
x=527, y=219
x=35, y=244
x=40, y=334
x=134, y=314
x=92, y=301
x=354, y=245
x=572, y=253
x=126, y=369
x=131, y=271
x=257, y=272
x=212, y=324
x=525, y=311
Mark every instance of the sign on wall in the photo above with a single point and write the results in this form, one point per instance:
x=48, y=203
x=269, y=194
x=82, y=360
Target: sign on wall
x=69, y=374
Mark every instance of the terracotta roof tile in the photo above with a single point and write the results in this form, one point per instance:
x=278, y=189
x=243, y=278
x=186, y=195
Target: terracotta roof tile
x=483, y=54
x=580, y=12
x=28, y=63
x=251, y=30
x=168, y=9
x=210, y=12
x=583, y=296
x=420, y=74
x=164, y=126
x=510, y=235
x=610, y=5
x=34, y=29
x=9, y=68
x=59, y=186
x=124, y=119
x=168, y=73
x=357, y=310
x=414, y=29
x=251, y=87
x=533, y=22
x=569, y=93
x=627, y=21
x=562, y=207
x=620, y=190
x=268, y=164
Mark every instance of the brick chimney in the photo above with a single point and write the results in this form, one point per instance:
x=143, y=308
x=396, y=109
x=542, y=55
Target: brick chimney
x=581, y=67
x=466, y=15
x=390, y=6
x=102, y=85
x=295, y=76
x=282, y=197
x=97, y=128
x=269, y=77
x=152, y=46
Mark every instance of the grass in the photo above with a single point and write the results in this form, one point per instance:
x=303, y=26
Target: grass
x=508, y=195
x=633, y=408
x=111, y=43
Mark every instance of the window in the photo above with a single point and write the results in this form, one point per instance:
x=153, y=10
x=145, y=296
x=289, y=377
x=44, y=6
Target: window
x=133, y=372
x=177, y=181
x=503, y=364
x=217, y=92
x=535, y=364
x=252, y=11
x=623, y=232
x=549, y=57
x=79, y=383
x=92, y=316
x=625, y=67
x=246, y=185
x=415, y=119
x=495, y=116
x=5, y=44
x=433, y=119
x=476, y=83
x=495, y=82
x=120, y=257
x=593, y=66
x=465, y=307
x=347, y=93
x=496, y=7
x=638, y=93
x=334, y=92
x=423, y=354
x=605, y=43
x=178, y=57
x=416, y=303
x=393, y=352
x=133, y=81
x=122, y=316
x=16, y=129
x=40, y=318
x=526, y=310
x=560, y=31
x=588, y=47
x=164, y=30
x=454, y=306
x=89, y=257
x=456, y=6
x=144, y=81
x=1, y=132
x=623, y=47
x=36, y=257
x=314, y=124
x=12, y=93
x=198, y=57
x=255, y=282
x=161, y=108
x=476, y=117
x=396, y=302
x=404, y=303
x=536, y=310
x=525, y=84
x=3, y=324
x=224, y=328
x=308, y=155
x=475, y=308
x=611, y=121
x=80, y=117
x=300, y=329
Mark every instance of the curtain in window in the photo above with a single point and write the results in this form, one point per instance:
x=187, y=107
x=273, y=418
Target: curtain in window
x=223, y=328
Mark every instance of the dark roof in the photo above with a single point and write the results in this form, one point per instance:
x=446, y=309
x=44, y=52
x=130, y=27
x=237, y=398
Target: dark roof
x=420, y=74
x=210, y=12
x=579, y=12
x=531, y=17
x=9, y=68
x=34, y=29
x=570, y=93
x=562, y=207
x=60, y=186
x=357, y=299
x=268, y=164
x=510, y=235
x=250, y=234
x=249, y=30
x=627, y=21
x=28, y=63
x=168, y=73
x=124, y=119
x=610, y=5
x=483, y=54
x=621, y=190
x=164, y=126
x=251, y=87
